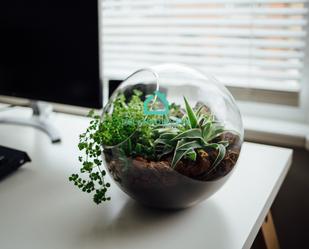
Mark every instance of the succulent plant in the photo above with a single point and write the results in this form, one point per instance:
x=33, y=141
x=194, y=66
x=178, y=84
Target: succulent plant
x=195, y=131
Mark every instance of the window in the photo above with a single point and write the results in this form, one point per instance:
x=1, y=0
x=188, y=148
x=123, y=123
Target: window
x=255, y=47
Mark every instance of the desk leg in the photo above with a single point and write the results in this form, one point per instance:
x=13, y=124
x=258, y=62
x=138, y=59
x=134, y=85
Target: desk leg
x=269, y=233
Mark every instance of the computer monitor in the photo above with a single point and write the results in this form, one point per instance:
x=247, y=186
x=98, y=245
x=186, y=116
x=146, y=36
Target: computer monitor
x=49, y=51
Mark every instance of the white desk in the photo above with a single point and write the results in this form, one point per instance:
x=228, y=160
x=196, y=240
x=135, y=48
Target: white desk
x=40, y=209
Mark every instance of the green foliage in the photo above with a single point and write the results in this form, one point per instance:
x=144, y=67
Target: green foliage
x=185, y=139
x=182, y=133
x=123, y=121
x=127, y=118
x=90, y=143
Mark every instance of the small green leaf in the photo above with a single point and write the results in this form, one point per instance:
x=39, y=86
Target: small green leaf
x=191, y=114
x=191, y=155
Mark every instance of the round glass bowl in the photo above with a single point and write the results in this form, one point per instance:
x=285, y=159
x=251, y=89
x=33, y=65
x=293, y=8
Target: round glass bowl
x=179, y=137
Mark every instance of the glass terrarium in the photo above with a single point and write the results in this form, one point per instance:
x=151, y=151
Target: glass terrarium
x=171, y=136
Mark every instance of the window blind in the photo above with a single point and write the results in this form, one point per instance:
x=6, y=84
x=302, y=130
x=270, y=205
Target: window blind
x=255, y=47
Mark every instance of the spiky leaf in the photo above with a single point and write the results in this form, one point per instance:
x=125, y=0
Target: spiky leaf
x=220, y=156
x=168, y=135
x=190, y=145
x=206, y=131
x=191, y=115
x=178, y=154
x=192, y=133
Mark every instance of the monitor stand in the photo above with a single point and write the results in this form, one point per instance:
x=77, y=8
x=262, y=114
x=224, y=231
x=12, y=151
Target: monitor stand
x=39, y=120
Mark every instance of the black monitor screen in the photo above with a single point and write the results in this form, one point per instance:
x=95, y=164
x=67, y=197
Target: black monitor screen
x=49, y=50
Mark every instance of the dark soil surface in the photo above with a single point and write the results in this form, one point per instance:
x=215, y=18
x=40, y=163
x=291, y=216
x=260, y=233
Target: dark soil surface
x=158, y=171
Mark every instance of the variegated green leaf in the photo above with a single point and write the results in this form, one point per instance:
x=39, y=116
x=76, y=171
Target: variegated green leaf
x=190, y=145
x=206, y=133
x=225, y=143
x=221, y=155
x=168, y=135
x=162, y=141
x=167, y=130
x=198, y=111
x=216, y=132
x=192, y=133
x=178, y=154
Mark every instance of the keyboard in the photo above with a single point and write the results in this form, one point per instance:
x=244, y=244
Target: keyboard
x=11, y=160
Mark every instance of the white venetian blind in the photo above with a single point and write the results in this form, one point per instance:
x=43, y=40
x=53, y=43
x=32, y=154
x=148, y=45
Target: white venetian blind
x=252, y=45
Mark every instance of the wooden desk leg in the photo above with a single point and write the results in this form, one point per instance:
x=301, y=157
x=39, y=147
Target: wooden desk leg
x=269, y=233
